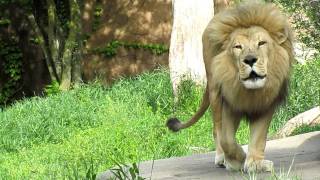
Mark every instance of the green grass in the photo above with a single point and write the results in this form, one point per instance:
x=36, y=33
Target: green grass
x=87, y=130
x=305, y=129
x=304, y=93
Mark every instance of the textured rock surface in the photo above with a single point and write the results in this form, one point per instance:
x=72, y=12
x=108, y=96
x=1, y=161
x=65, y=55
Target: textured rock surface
x=301, y=153
x=134, y=20
x=140, y=21
x=304, y=53
x=127, y=62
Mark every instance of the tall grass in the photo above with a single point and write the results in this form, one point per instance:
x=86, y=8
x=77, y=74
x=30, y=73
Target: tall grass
x=304, y=93
x=78, y=133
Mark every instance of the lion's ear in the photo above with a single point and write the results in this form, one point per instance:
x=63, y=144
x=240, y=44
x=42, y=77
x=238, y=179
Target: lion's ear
x=282, y=36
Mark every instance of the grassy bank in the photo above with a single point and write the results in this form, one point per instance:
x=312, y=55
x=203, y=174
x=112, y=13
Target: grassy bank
x=85, y=131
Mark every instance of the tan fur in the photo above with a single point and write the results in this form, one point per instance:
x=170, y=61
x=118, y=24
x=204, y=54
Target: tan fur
x=247, y=25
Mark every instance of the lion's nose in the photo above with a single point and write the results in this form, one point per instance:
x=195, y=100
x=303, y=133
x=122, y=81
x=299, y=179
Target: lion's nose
x=250, y=60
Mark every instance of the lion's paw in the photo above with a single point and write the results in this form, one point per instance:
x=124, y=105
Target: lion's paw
x=258, y=166
x=219, y=160
x=233, y=165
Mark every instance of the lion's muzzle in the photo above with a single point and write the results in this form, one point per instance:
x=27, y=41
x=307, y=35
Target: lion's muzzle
x=252, y=76
x=254, y=80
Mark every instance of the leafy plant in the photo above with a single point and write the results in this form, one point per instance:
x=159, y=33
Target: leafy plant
x=98, y=11
x=126, y=172
x=110, y=49
x=4, y=22
x=306, y=19
x=305, y=129
x=52, y=88
x=89, y=167
x=12, y=68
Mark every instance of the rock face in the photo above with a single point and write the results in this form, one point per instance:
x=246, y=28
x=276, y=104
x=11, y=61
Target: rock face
x=127, y=62
x=304, y=53
x=136, y=20
x=298, y=156
x=308, y=118
x=142, y=21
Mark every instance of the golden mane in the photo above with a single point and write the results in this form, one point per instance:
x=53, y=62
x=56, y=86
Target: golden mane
x=221, y=72
x=245, y=15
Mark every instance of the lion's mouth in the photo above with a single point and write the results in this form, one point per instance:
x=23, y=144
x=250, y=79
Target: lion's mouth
x=254, y=81
x=254, y=76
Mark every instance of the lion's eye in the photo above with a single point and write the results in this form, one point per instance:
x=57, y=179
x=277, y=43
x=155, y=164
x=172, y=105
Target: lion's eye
x=237, y=46
x=261, y=43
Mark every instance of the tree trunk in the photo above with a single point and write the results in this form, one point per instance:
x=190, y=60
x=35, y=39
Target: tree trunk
x=61, y=45
x=54, y=42
x=77, y=54
x=66, y=63
x=45, y=49
x=185, y=57
x=71, y=72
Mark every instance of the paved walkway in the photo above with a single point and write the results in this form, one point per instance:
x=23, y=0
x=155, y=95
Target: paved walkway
x=302, y=151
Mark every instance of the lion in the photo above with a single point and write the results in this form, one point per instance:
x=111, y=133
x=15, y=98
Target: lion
x=248, y=54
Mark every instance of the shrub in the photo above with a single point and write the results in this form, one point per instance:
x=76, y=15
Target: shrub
x=306, y=19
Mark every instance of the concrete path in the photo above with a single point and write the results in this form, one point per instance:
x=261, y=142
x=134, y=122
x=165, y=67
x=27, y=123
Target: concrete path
x=302, y=151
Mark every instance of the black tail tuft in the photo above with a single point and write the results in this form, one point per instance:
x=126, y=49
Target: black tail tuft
x=174, y=124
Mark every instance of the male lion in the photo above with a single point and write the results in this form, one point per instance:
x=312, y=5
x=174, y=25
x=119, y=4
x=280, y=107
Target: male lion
x=248, y=55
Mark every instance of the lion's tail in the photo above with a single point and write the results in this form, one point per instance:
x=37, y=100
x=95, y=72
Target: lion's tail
x=175, y=125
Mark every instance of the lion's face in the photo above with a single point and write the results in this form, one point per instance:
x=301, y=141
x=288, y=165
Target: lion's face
x=250, y=48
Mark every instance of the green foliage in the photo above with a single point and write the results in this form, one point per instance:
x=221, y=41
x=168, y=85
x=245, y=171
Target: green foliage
x=89, y=169
x=52, y=88
x=282, y=174
x=4, y=22
x=36, y=40
x=78, y=133
x=305, y=129
x=12, y=68
x=89, y=122
x=304, y=92
x=184, y=93
x=110, y=49
x=98, y=12
x=63, y=13
x=306, y=18
x=25, y=5
x=124, y=172
x=20, y=2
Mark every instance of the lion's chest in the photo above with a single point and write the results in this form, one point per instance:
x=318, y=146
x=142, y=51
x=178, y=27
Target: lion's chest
x=249, y=101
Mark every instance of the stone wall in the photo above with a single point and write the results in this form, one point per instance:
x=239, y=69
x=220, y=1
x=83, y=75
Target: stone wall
x=141, y=21
x=127, y=62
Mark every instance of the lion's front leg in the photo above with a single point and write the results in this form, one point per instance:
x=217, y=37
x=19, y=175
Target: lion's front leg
x=233, y=152
x=258, y=135
x=219, y=157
